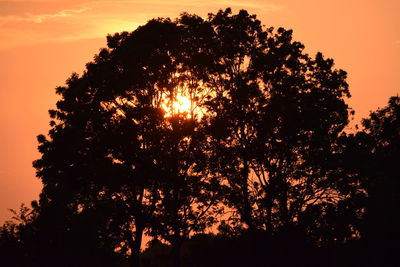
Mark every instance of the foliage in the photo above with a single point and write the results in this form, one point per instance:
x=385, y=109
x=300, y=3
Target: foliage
x=273, y=122
x=381, y=181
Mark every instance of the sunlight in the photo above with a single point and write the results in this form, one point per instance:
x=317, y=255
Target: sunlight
x=181, y=105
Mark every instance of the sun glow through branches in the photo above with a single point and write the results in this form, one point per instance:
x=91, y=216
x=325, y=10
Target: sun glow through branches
x=180, y=105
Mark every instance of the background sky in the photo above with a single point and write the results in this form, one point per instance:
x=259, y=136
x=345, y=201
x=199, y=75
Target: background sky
x=43, y=42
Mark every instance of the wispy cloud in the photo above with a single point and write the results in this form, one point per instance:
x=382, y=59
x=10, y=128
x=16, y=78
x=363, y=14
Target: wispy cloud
x=39, y=18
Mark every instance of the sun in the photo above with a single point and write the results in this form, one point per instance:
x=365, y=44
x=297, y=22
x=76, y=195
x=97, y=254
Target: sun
x=180, y=105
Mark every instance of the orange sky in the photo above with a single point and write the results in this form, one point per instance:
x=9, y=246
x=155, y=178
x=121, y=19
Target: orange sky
x=43, y=42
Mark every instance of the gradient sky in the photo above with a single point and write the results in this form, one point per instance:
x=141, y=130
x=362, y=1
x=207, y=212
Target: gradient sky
x=43, y=42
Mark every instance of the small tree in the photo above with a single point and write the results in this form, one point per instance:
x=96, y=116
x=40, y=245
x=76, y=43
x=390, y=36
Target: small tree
x=380, y=178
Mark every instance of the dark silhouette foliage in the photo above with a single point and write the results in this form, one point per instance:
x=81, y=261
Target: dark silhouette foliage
x=257, y=170
x=378, y=168
x=273, y=124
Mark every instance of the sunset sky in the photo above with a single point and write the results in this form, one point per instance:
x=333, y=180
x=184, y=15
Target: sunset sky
x=43, y=42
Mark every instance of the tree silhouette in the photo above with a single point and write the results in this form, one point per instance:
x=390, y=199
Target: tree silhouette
x=273, y=123
x=16, y=237
x=111, y=146
x=102, y=146
x=261, y=141
x=380, y=178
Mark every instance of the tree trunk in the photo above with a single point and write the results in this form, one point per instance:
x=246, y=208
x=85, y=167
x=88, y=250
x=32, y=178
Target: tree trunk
x=134, y=260
x=283, y=202
x=247, y=217
x=268, y=217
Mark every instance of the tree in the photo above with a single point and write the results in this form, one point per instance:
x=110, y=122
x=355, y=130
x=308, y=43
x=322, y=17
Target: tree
x=114, y=149
x=262, y=126
x=368, y=160
x=273, y=120
x=379, y=175
x=105, y=131
x=16, y=237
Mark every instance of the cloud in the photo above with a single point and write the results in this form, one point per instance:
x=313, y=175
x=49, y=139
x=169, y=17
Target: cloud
x=41, y=17
x=22, y=8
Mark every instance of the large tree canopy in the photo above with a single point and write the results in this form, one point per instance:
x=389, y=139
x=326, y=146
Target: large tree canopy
x=257, y=140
